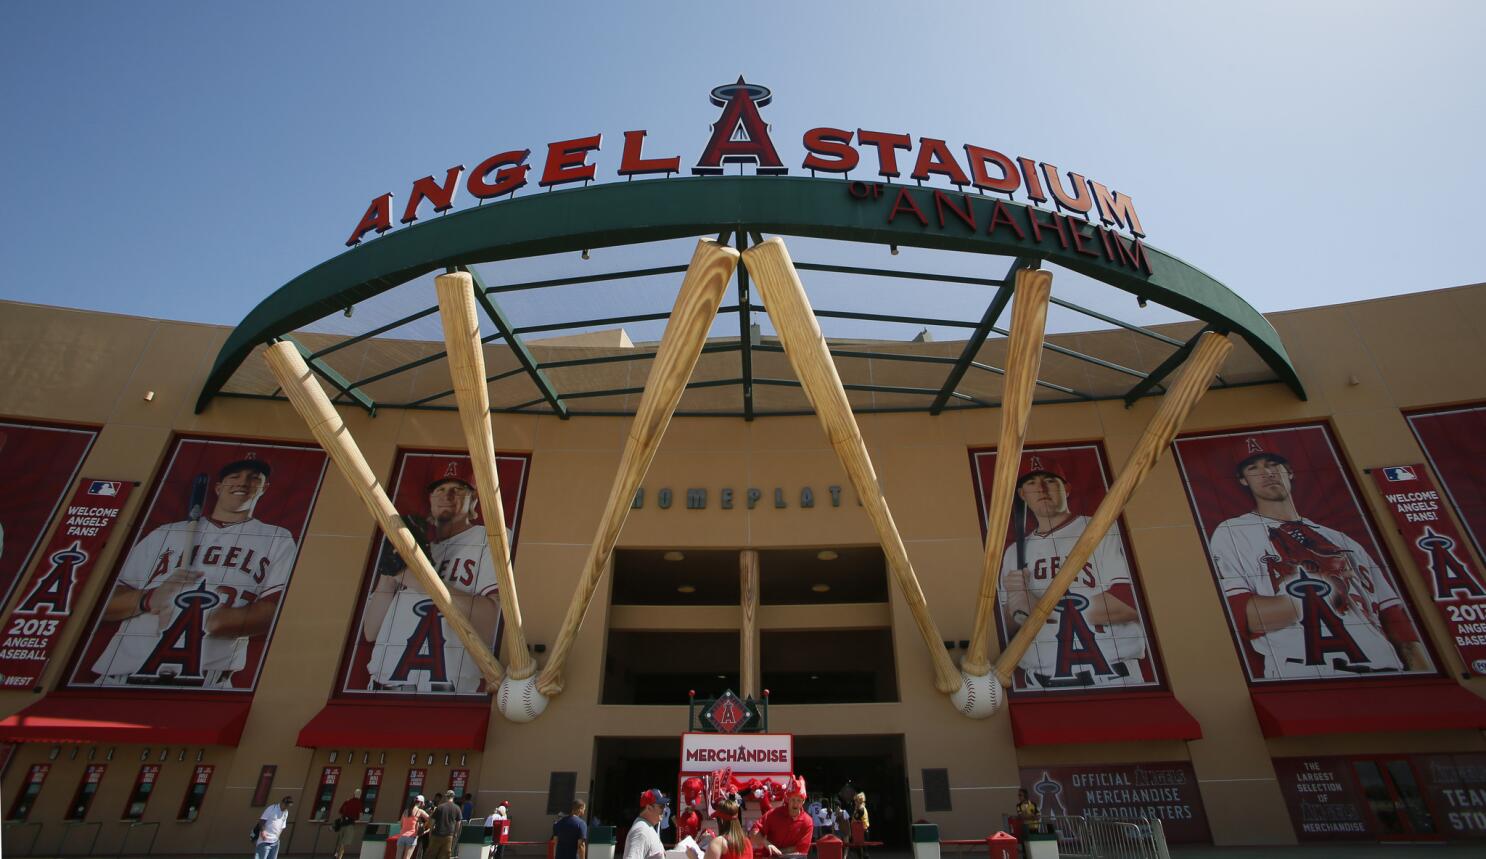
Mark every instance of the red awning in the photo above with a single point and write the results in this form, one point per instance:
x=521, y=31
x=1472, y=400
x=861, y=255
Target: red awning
x=344, y=724
x=1430, y=705
x=68, y=718
x=1115, y=719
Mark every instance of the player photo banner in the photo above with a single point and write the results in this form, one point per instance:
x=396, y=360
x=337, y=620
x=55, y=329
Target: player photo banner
x=44, y=461
x=400, y=644
x=1098, y=638
x=1455, y=441
x=1308, y=591
x=1455, y=585
x=193, y=602
x=1167, y=791
x=49, y=598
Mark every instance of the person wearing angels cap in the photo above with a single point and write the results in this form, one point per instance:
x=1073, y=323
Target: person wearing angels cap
x=787, y=830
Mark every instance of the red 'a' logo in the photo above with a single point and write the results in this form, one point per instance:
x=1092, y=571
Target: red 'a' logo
x=740, y=135
x=1451, y=577
x=52, y=593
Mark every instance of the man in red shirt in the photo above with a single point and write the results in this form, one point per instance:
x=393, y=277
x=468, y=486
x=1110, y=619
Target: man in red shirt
x=345, y=835
x=787, y=829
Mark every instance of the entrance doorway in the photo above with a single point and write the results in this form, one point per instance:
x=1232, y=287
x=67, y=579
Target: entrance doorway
x=1394, y=798
x=874, y=764
x=625, y=767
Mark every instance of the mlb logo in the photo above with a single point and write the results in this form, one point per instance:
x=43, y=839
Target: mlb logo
x=1398, y=473
x=104, y=487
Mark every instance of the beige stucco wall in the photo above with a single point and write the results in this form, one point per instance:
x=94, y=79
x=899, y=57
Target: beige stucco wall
x=1361, y=364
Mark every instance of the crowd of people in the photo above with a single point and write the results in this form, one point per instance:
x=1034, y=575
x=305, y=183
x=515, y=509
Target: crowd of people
x=431, y=829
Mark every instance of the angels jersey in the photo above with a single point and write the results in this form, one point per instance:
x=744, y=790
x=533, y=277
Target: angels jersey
x=240, y=563
x=416, y=651
x=1070, y=652
x=1326, y=641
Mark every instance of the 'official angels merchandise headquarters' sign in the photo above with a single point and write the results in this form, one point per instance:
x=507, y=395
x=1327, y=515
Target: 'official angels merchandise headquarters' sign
x=48, y=599
x=1455, y=585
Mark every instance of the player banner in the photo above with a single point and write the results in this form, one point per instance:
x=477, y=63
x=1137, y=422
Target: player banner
x=43, y=461
x=1454, y=440
x=400, y=645
x=1308, y=590
x=1455, y=585
x=1098, y=638
x=193, y=602
x=49, y=597
x=1166, y=791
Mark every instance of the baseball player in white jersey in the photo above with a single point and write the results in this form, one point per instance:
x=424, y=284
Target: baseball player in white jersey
x=191, y=593
x=1094, y=639
x=1308, y=600
x=413, y=649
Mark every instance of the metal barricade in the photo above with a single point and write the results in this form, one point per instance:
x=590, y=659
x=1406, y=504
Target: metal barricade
x=1106, y=838
x=13, y=825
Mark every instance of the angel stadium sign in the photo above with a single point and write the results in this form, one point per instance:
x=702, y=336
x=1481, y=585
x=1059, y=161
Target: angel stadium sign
x=740, y=136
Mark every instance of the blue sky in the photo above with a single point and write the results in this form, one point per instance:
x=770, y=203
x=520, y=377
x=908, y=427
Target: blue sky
x=183, y=160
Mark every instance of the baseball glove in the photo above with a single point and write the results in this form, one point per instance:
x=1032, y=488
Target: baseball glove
x=389, y=563
x=1306, y=551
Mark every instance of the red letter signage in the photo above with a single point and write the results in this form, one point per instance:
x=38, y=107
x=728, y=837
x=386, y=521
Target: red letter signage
x=740, y=136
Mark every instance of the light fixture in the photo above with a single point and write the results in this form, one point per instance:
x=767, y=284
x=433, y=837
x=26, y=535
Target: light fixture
x=827, y=555
x=820, y=587
x=149, y=396
x=585, y=253
x=350, y=310
x=686, y=589
x=815, y=677
x=722, y=677
x=1140, y=300
x=674, y=555
x=893, y=249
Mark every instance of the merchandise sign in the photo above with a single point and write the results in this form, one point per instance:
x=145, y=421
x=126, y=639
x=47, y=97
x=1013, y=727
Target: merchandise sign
x=1165, y=791
x=1455, y=585
x=743, y=753
x=1385, y=796
x=48, y=599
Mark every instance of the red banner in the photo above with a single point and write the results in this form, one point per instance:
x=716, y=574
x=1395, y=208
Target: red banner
x=45, y=460
x=47, y=601
x=1167, y=791
x=1455, y=585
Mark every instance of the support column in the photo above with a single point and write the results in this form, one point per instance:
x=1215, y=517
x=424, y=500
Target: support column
x=748, y=646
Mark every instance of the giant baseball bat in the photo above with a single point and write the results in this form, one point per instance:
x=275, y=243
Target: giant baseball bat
x=308, y=398
x=1205, y=361
x=467, y=370
x=681, y=345
x=1023, y=362
x=794, y=320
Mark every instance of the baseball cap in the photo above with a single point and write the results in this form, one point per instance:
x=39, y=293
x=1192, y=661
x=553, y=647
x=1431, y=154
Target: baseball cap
x=1038, y=472
x=457, y=470
x=420, y=798
x=796, y=786
x=505, y=804
x=1277, y=459
x=237, y=465
x=653, y=797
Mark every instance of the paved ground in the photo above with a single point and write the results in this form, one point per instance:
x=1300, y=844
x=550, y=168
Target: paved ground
x=1317, y=851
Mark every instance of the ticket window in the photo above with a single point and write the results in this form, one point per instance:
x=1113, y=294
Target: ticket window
x=139, y=796
x=325, y=793
x=87, y=788
x=459, y=782
x=416, y=778
x=371, y=786
x=196, y=792
x=20, y=809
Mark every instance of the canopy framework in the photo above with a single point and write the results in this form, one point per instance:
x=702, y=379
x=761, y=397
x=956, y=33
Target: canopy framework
x=540, y=368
